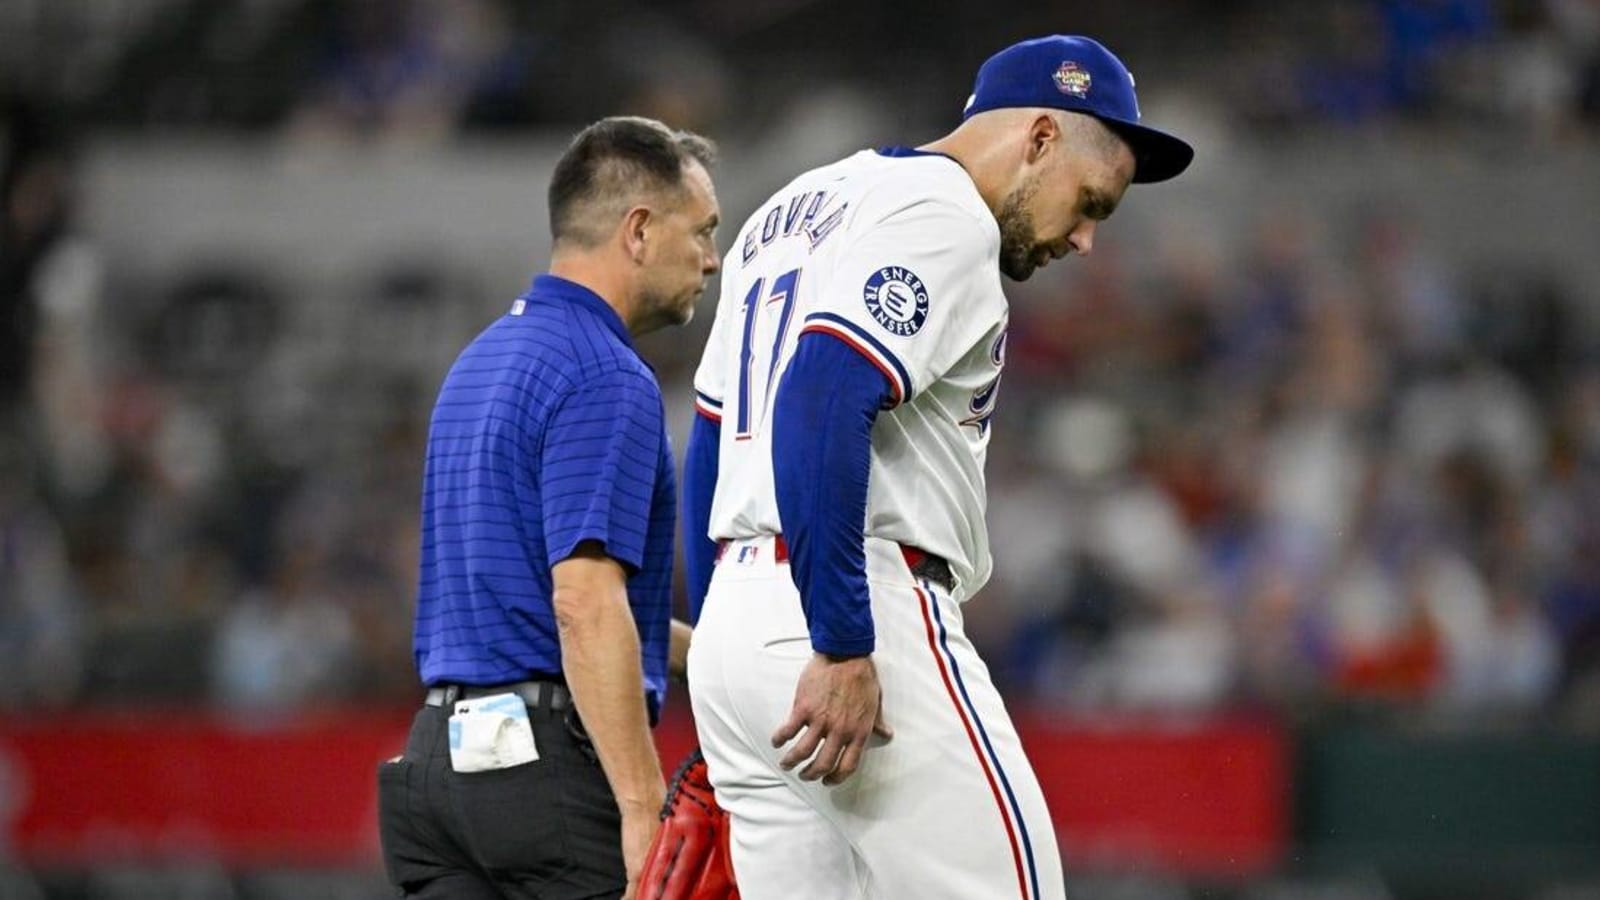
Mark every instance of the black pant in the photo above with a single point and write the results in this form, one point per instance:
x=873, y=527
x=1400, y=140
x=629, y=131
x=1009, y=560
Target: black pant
x=545, y=830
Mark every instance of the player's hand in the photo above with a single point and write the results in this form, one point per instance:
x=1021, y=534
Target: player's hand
x=838, y=705
x=638, y=831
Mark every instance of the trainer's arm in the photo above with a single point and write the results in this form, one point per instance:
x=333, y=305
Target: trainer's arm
x=598, y=469
x=600, y=658
x=822, y=452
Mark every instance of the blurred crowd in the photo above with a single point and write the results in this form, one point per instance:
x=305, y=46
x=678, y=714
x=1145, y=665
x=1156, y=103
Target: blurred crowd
x=421, y=71
x=1315, y=467
x=1267, y=478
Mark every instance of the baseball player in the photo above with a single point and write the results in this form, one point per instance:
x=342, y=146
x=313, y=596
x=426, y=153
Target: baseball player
x=837, y=471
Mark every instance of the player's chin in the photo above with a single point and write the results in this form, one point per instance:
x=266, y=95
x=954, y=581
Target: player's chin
x=1018, y=269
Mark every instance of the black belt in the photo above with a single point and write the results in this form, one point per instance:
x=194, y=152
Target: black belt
x=930, y=566
x=537, y=694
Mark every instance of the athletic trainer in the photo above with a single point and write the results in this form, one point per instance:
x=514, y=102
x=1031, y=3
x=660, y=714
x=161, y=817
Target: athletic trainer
x=543, y=629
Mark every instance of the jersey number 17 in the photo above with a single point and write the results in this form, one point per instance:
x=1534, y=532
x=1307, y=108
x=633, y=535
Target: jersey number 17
x=765, y=313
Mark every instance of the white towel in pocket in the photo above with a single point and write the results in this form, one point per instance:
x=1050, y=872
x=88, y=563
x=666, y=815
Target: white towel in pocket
x=491, y=732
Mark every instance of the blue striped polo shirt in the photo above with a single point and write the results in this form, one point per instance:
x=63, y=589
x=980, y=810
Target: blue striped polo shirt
x=549, y=430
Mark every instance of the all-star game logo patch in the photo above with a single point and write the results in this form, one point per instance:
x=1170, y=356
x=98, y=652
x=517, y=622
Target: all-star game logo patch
x=897, y=299
x=1073, y=79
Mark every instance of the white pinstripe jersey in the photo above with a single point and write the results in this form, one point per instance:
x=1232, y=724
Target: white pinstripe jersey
x=897, y=255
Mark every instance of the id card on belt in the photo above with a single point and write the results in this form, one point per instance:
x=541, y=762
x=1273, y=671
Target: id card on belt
x=491, y=732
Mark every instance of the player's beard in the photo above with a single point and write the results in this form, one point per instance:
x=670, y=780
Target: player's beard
x=1017, y=244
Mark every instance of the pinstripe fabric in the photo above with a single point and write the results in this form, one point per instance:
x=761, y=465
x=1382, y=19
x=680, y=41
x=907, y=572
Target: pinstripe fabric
x=548, y=431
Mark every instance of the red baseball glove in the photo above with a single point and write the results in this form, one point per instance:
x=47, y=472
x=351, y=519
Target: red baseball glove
x=689, y=859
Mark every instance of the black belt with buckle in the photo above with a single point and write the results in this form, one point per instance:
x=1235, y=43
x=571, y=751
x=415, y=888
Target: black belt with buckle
x=549, y=695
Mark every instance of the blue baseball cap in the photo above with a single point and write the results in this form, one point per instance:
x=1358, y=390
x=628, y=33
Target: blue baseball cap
x=1078, y=74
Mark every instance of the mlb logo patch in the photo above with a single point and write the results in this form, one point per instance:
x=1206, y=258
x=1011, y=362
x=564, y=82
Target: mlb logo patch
x=747, y=555
x=1073, y=79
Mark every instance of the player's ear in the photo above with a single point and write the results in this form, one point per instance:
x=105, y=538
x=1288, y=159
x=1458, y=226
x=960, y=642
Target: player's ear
x=636, y=224
x=1044, y=132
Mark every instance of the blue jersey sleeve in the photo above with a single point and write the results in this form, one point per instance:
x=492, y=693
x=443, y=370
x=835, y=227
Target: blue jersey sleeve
x=597, y=468
x=699, y=487
x=821, y=458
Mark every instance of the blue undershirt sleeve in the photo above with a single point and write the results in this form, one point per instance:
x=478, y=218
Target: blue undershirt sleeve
x=821, y=458
x=699, y=486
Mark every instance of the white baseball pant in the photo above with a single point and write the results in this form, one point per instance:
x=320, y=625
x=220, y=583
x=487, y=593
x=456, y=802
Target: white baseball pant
x=950, y=808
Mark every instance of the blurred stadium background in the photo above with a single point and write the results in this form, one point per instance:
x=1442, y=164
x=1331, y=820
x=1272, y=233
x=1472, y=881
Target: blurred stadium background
x=1295, y=492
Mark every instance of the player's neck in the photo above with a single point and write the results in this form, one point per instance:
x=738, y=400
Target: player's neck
x=604, y=277
x=978, y=157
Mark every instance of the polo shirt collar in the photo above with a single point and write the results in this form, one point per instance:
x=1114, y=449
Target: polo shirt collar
x=554, y=287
